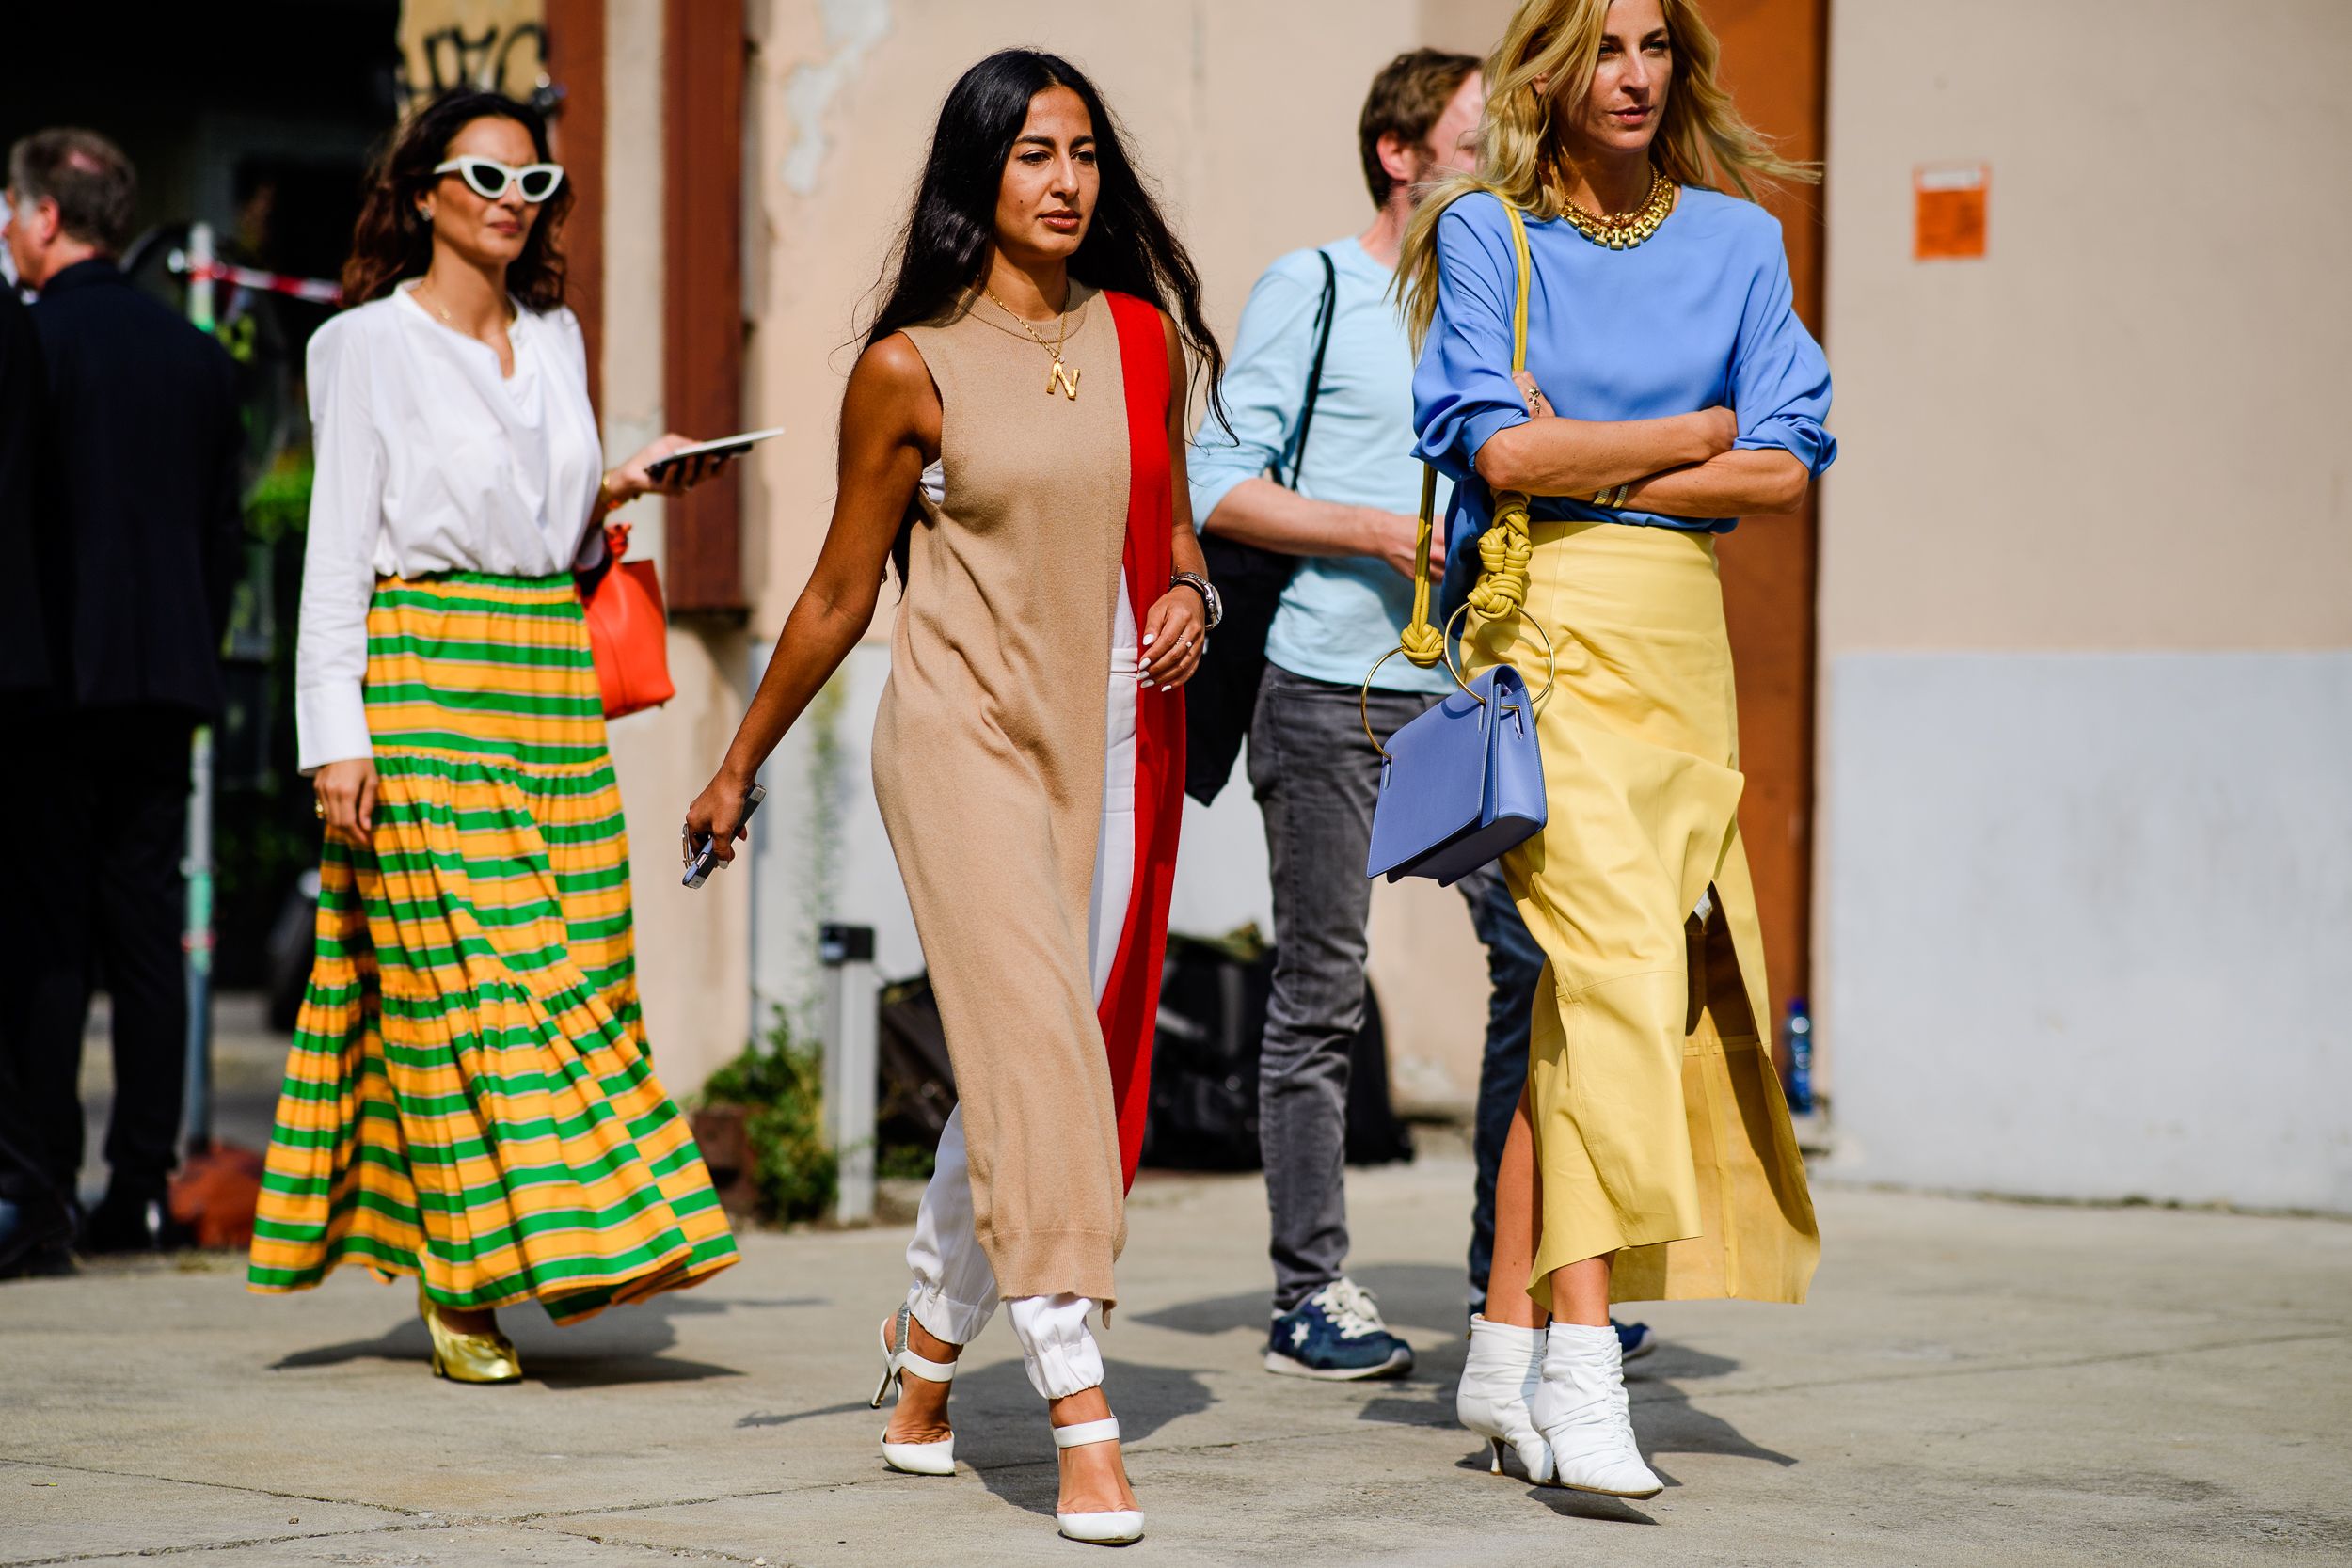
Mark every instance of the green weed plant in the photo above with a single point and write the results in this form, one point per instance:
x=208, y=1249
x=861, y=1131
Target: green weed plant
x=780, y=1082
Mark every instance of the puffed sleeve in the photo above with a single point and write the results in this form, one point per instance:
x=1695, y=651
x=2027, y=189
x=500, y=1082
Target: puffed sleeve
x=572, y=357
x=1779, y=379
x=339, y=558
x=1462, y=388
x=1264, y=386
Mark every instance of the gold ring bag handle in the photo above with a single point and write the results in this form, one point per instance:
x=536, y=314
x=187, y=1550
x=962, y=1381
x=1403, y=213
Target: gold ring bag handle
x=1504, y=550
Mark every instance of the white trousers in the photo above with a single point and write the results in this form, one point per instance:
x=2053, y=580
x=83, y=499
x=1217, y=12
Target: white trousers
x=953, y=1293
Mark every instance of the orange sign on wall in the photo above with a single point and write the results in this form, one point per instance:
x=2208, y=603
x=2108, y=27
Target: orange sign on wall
x=1950, y=205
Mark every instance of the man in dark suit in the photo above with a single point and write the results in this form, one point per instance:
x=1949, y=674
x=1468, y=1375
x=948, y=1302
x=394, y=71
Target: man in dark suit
x=138, y=500
x=36, y=1216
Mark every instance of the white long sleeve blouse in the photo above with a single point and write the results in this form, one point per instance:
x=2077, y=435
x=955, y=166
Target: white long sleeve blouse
x=429, y=460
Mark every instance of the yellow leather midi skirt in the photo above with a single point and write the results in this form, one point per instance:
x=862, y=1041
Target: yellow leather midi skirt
x=1660, y=1132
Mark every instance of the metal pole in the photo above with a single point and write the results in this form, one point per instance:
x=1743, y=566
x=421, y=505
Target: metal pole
x=851, y=992
x=196, y=940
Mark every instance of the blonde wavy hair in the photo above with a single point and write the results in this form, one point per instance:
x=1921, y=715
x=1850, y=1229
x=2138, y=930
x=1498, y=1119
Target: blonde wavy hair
x=1701, y=140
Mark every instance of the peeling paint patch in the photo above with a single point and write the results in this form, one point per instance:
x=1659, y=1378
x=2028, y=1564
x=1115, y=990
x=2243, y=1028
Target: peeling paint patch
x=853, y=29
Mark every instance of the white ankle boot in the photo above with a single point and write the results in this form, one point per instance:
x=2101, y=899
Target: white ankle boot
x=1499, y=1376
x=1579, y=1407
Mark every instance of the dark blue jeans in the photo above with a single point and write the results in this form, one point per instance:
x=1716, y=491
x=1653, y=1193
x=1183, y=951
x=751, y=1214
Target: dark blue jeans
x=1514, y=964
x=1317, y=779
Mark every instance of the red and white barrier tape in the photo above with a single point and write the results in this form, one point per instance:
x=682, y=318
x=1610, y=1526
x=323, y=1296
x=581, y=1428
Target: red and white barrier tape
x=314, y=289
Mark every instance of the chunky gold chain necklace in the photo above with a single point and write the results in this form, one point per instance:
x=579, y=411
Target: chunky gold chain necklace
x=1061, y=378
x=1623, y=231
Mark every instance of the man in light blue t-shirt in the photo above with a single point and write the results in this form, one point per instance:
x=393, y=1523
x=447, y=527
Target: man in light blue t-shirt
x=1350, y=516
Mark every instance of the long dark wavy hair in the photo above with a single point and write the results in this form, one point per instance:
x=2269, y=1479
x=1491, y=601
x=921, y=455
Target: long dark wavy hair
x=391, y=242
x=944, y=249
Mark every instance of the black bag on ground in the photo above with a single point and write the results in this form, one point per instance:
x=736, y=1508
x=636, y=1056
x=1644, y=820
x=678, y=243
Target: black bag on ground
x=918, y=1081
x=1222, y=695
x=1204, y=1065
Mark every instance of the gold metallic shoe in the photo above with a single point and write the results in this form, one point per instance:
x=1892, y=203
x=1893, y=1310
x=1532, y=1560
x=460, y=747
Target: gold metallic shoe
x=468, y=1357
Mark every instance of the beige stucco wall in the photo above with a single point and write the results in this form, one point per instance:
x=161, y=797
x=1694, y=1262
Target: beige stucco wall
x=1253, y=155
x=692, y=948
x=2126, y=427
x=2122, y=432
x=1245, y=115
x=2122, y=429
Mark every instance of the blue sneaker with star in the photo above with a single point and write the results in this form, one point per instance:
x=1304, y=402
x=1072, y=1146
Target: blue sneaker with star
x=1336, y=1334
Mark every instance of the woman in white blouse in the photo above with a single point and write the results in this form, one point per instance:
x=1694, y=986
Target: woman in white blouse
x=468, y=1100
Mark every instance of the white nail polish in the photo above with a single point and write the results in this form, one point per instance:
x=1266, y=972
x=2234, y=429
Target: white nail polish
x=1147, y=638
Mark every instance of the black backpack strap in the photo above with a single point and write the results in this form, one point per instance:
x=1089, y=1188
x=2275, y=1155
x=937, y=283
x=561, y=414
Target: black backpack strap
x=1325, y=312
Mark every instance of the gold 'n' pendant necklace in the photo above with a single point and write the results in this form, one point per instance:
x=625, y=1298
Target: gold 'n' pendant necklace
x=1061, y=378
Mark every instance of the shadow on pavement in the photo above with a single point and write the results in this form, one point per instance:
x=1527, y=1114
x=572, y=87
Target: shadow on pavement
x=1002, y=1431
x=620, y=1346
x=1664, y=1419
x=1592, y=1505
x=769, y=1418
x=1666, y=1422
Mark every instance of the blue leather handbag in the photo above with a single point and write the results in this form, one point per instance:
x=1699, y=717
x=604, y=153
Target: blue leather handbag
x=1464, y=782
x=1461, y=785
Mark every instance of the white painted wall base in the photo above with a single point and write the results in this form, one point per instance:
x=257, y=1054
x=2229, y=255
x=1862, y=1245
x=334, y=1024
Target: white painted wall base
x=2089, y=916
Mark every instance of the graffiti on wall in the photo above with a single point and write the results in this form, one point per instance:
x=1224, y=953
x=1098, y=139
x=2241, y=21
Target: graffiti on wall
x=498, y=45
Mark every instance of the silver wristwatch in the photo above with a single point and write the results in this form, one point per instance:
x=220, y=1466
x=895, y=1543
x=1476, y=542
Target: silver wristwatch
x=1207, y=589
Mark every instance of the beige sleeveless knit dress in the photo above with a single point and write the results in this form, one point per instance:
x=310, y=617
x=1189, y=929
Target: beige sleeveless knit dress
x=988, y=764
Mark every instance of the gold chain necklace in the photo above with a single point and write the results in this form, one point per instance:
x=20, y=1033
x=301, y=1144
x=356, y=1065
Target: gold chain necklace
x=1061, y=378
x=449, y=321
x=1623, y=231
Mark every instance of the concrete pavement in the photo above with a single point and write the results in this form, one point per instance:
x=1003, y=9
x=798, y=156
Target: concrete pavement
x=1974, y=1383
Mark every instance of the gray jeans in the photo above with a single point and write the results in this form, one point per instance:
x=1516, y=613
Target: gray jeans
x=1316, y=778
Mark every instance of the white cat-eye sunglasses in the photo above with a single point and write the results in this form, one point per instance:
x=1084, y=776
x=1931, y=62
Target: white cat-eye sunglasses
x=491, y=180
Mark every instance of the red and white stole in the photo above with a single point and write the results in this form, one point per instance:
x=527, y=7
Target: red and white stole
x=1130, y=1000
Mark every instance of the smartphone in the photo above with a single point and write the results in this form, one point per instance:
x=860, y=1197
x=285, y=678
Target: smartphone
x=707, y=850
x=660, y=468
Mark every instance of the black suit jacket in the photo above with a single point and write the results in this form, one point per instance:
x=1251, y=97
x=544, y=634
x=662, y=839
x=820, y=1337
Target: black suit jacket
x=25, y=662
x=141, y=483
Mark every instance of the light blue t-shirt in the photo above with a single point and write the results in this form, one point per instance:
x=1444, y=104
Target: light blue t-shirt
x=1339, y=613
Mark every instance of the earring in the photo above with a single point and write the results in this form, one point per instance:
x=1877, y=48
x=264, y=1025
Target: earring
x=424, y=214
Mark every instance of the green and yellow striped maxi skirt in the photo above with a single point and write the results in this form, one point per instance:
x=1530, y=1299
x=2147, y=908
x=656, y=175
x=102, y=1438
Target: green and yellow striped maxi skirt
x=469, y=1098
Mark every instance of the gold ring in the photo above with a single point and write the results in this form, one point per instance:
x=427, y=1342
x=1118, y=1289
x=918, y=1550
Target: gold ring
x=318, y=807
x=1551, y=661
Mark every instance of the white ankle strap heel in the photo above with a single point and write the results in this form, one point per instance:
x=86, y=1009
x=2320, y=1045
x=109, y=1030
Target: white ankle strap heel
x=1112, y=1528
x=915, y=1459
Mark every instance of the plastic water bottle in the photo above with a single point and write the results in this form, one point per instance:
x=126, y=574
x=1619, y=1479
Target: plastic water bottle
x=1796, y=1034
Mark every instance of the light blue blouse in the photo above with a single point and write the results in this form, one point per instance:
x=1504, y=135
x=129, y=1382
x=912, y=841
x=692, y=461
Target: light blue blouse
x=1698, y=315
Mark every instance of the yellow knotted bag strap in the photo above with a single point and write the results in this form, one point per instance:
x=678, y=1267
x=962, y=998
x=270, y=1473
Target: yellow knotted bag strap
x=1503, y=549
x=1421, y=642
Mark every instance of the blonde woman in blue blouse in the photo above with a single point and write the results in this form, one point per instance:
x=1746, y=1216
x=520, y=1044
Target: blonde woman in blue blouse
x=1669, y=389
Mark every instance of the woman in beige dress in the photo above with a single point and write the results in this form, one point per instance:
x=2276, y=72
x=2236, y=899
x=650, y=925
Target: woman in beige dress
x=1012, y=438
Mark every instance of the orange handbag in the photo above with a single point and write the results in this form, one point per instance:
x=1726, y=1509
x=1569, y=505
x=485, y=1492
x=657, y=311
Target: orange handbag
x=628, y=633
